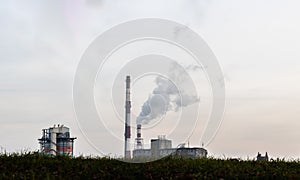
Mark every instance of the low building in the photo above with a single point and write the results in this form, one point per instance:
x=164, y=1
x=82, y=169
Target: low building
x=262, y=158
x=56, y=140
x=142, y=153
x=195, y=152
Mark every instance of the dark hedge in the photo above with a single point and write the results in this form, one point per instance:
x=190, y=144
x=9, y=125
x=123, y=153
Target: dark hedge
x=36, y=166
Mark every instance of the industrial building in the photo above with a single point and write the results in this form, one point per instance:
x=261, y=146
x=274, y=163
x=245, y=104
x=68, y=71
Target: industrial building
x=56, y=140
x=162, y=147
x=159, y=147
x=187, y=152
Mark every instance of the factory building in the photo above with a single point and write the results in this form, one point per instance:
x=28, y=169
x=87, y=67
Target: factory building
x=162, y=147
x=56, y=140
x=187, y=152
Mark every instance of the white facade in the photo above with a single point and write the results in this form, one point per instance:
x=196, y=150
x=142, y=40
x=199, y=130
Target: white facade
x=142, y=153
x=161, y=146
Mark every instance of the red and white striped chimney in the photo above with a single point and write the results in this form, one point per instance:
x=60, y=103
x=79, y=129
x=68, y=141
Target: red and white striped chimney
x=127, y=153
x=139, y=139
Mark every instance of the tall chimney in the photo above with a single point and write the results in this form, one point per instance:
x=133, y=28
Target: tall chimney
x=127, y=153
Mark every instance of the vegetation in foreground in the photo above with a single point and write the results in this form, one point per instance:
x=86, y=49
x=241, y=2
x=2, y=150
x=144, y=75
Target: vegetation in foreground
x=36, y=166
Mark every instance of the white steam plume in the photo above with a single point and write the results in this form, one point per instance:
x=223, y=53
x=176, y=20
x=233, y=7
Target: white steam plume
x=166, y=96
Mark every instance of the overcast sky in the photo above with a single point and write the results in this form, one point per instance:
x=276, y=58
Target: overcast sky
x=256, y=43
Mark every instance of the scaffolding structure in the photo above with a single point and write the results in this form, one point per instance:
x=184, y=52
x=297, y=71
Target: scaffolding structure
x=56, y=141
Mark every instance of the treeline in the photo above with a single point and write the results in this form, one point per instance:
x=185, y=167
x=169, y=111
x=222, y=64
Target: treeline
x=36, y=166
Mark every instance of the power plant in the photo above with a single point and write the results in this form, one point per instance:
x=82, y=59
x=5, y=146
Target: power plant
x=160, y=147
x=56, y=140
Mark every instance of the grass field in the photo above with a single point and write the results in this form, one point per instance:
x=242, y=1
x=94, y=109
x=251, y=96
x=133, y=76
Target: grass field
x=36, y=166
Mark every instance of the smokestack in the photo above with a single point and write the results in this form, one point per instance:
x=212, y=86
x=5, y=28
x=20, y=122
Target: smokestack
x=139, y=139
x=127, y=153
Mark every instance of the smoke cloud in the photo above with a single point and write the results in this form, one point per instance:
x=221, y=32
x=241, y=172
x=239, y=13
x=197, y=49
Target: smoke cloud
x=166, y=96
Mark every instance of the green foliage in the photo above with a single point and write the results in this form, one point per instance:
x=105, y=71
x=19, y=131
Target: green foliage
x=36, y=166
